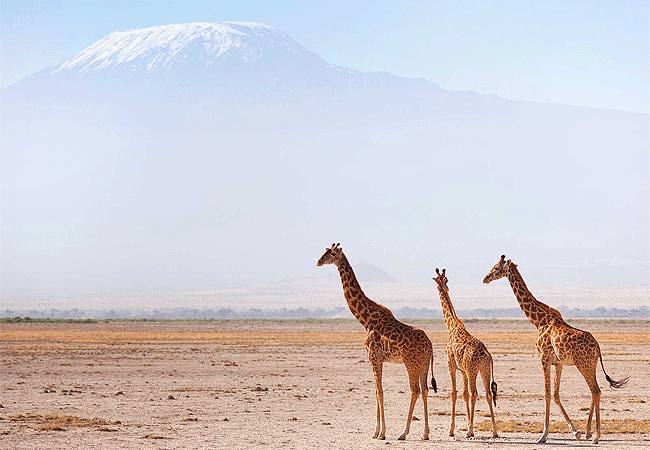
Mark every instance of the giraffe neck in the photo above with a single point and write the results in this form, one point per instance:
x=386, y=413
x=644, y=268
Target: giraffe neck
x=452, y=322
x=360, y=306
x=537, y=312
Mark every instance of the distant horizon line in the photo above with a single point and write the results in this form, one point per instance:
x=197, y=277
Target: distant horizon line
x=336, y=313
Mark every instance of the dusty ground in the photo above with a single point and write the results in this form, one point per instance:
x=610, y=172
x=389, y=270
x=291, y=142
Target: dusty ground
x=239, y=385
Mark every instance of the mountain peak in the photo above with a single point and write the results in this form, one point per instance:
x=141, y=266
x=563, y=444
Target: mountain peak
x=370, y=273
x=163, y=47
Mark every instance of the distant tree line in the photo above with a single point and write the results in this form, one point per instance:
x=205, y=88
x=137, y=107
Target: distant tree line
x=319, y=313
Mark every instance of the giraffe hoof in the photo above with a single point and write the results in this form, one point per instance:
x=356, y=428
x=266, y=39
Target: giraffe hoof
x=425, y=438
x=577, y=435
x=588, y=436
x=401, y=438
x=542, y=440
x=595, y=441
x=381, y=438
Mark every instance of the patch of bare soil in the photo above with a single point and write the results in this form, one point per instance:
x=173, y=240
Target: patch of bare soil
x=240, y=385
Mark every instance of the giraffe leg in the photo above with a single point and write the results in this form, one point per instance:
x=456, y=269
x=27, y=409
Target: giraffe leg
x=424, y=389
x=589, y=375
x=546, y=367
x=454, y=395
x=375, y=356
x=466, y=397
x=414, y=382
x=595, y=401
x=556, y=398
x=378, y=420
x=486, y=375
x=472, y=399
x=591, y=413
x=380, y=428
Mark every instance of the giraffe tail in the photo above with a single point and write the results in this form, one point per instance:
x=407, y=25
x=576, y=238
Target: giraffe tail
x=614, y=384
x=434, y=385
x=493, y=385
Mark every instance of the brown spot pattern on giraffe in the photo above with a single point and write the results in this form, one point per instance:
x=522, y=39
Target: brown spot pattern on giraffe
x=468, y=355
x=558, y=344
x=388, y=340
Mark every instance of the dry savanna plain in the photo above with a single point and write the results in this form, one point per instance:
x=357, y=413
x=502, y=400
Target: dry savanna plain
x=287, y=384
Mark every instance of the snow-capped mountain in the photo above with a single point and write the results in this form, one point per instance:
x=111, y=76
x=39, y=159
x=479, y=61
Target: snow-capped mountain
x=221, y=58
x=181, y=156
x=199, y=44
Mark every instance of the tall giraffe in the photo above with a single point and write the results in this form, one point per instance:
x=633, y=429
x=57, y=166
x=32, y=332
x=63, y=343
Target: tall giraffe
x=558, y=344
x=468, y=355
x=388, y=340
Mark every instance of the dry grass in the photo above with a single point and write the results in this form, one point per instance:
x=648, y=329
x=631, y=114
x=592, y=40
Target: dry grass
x=623, y=338
x=101, y=334
x=61, y=423
x=116, y=333
x=531, y=338
x=607, y=426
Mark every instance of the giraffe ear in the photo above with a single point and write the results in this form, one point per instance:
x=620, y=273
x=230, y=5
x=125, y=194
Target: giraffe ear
x=437, y=271
x=443, y=272
x=503, y=257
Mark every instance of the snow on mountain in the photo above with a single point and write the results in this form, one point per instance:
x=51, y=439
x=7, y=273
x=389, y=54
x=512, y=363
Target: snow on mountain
x=184, y=156
x=163, y=47
x=217, y=59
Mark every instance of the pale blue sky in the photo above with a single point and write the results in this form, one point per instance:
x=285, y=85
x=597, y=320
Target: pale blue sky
x=581, y=53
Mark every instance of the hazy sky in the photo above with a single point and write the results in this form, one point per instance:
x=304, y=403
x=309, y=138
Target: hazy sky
x=581, y=53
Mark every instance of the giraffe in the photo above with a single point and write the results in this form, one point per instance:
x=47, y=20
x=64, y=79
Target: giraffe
x=558, y=344
x=468, y=355
x=387, y=340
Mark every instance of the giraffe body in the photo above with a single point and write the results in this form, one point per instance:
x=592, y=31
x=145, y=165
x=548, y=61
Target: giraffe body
x=470, y=357
x=387, y=340
x=558, y=344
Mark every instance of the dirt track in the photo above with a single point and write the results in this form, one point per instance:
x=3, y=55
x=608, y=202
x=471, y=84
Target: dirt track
x=239, y=385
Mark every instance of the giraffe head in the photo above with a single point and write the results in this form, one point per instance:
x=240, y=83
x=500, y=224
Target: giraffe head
x=331, y=256
x=441, y=279
x=500, y=270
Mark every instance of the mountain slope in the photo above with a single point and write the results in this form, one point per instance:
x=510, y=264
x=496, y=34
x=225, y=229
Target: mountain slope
x=184, y=157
